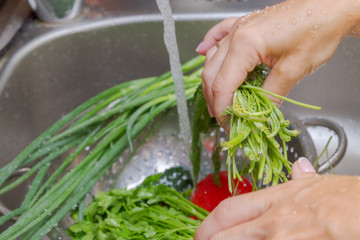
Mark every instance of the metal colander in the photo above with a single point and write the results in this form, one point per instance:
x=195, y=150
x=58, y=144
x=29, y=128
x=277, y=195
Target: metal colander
x=163, y=150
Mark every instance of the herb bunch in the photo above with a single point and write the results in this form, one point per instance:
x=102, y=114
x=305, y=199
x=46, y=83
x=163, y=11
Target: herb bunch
x=255, y=123
x=146, y=212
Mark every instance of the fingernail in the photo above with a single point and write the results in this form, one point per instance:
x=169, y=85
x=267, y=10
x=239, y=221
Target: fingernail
x=305, y=165
x=198, y=47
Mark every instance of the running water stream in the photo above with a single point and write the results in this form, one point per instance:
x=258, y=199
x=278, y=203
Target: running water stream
x=176, y=71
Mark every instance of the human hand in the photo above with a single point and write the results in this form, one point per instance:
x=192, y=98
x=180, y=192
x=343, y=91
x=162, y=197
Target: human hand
x=292, y=38
x=308, y=207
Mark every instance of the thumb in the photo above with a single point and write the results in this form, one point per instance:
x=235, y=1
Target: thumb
x=302, y=168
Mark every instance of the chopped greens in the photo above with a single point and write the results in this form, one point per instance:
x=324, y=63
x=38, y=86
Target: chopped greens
x=147, y=212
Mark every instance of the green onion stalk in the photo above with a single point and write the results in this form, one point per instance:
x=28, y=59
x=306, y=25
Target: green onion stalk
x=255, y=122
x=107, y=124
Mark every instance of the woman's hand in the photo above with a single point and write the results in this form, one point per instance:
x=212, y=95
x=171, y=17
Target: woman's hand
x=308, y=207
x=293, y=38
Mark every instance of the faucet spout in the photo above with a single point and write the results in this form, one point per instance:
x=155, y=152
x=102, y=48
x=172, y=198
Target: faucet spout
x=55, y=11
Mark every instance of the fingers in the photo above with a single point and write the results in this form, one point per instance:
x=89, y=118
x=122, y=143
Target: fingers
x=290, y=227
x=240, y=59
x=239, y=210
x=248, y=231
x=214, y=58
x=284, y=76
x=226, y=65
x=252, y=208
x=207, y=81
x=231, y=212
x=218, y=32
x=302, y=168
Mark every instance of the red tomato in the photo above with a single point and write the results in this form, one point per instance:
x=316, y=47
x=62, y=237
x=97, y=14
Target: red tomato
x=208, y=195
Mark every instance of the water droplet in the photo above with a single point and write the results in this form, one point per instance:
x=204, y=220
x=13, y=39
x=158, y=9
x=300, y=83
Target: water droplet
x=308, y=12
x=292, y=21
x=294, y=212
x=343, y=190
x=323, y=12
x=278, y=26
x=238, y=153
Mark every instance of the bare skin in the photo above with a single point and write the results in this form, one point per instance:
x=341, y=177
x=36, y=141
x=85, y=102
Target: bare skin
x=308, y=207
x=293, y=38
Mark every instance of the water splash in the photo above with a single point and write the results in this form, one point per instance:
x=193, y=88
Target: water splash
x=308, y=12
x=176, y=71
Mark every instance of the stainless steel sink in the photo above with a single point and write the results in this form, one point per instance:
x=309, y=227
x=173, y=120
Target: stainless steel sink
x=59, y=69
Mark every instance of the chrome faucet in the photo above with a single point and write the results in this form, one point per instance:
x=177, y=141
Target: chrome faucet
x=56, y=11
x=13, y=14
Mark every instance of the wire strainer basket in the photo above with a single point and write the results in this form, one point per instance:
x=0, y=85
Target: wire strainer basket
x=163, y=150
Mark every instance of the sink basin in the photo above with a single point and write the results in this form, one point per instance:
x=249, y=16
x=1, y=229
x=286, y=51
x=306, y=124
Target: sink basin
x=55, y=72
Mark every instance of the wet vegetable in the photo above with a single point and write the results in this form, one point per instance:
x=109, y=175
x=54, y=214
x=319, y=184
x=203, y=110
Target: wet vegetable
x=147, y=212
x=95, y=134
x=255, y=122
x=202, y=124
x=178, y=178
x=208, y=194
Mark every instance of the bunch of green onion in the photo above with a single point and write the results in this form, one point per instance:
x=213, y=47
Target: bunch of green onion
x=106, y=124
x=255, y=122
